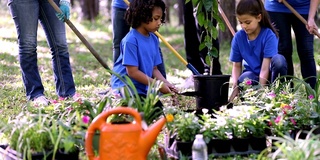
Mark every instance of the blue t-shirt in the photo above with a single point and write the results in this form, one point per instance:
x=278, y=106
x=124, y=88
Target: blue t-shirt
x=301, y=6
x=136, y=50
x=252, y=52
x=119, y=4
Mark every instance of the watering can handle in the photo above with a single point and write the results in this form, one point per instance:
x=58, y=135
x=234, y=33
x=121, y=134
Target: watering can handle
x=98, y=122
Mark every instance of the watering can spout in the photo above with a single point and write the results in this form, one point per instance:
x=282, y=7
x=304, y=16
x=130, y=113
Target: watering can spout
x=150, y=135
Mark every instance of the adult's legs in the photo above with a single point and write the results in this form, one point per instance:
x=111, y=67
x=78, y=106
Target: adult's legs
x=25, y=14
x=283, y=22
x=56, y=38
x=191, y=39
x=305, y=51
x=120, y=29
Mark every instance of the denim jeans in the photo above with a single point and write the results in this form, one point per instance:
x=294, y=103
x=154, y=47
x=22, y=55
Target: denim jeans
x=26, y=14
x=278, y=68
x=120, y=30
x=304, y=40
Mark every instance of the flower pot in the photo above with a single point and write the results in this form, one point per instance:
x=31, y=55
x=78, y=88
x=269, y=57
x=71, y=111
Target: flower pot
x=185, y=148
x=240, y=144
x=220, y=145
x=258, y=143
x=213, y=90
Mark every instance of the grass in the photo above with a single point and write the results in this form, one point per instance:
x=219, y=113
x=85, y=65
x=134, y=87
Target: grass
x=90, y=77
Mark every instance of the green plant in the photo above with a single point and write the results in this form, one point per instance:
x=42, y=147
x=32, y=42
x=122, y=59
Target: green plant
x=257, y=124
x=145, y=105
x=222, y=126
x=28, y=133
x=208, y=124
x=206, y=12
x=186, y=125
x=307, y=149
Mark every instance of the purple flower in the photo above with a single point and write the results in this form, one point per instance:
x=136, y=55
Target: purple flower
x=272, y=95
x=248, y=82
x=85, y=119
x=310, y=96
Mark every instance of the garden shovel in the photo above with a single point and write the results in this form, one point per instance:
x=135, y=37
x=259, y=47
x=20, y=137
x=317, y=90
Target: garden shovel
x=80, y=36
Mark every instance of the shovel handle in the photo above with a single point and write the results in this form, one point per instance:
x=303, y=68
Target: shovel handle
x=299, y=16
x=224, y=17
x=80, y=36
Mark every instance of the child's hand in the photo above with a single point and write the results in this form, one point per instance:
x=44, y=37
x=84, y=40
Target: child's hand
x=172, y=88
x=165, y=88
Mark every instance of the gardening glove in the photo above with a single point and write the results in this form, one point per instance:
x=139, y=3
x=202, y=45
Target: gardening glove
x=65, y=8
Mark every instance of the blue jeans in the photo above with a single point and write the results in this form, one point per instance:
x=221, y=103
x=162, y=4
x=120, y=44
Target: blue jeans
x=278, y=67
x=26, y=14
x=120, y=29
x=304, y=40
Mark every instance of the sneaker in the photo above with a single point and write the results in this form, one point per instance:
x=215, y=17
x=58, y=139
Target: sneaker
x=42, y=100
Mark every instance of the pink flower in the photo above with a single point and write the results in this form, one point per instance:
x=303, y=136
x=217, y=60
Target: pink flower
x=85, y=119
x=293, y=121
x=278, y=119
x=272, y=95
x=61, y=98
x=311, y=97
x=248, y=82
x=54, y=101
x=270, y=123
x=287, y=107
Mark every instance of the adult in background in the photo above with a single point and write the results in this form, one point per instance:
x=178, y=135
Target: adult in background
x=26, y=14
x=284, y=20
x=120, y=28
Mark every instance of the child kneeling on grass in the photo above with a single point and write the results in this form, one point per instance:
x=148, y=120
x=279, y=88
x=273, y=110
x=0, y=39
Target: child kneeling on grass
x=255, y=47
x=139, y=49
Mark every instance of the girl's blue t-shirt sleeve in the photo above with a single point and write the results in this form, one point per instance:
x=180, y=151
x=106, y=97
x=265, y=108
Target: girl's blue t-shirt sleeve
x=235, y=55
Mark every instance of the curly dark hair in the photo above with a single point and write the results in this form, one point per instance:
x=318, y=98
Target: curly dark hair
x=140, y=11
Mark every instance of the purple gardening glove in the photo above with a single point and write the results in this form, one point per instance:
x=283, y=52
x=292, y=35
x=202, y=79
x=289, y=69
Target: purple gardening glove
x=65, y=8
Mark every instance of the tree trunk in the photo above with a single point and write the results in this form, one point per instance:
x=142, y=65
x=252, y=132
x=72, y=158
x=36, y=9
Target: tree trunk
x=180, y=11
x=228, y=6
x=108, y=7
x=168, y=5
x=89, y=9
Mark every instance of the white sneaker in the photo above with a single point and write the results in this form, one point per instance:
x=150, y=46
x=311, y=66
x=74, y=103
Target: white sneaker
x=42, y=100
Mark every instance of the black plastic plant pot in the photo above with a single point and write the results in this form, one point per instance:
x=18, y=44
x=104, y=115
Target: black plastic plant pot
x=212, y=90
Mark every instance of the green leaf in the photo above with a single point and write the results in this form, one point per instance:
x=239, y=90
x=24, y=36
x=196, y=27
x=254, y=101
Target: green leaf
x=201, y=18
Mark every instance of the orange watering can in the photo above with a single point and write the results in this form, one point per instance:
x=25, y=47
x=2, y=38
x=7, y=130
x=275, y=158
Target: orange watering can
x=122, y=141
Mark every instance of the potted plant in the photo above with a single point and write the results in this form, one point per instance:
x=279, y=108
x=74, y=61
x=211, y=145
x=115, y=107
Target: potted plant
x=211, y=91
x=186, y=126
x=221, y=142
x=38, y=136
